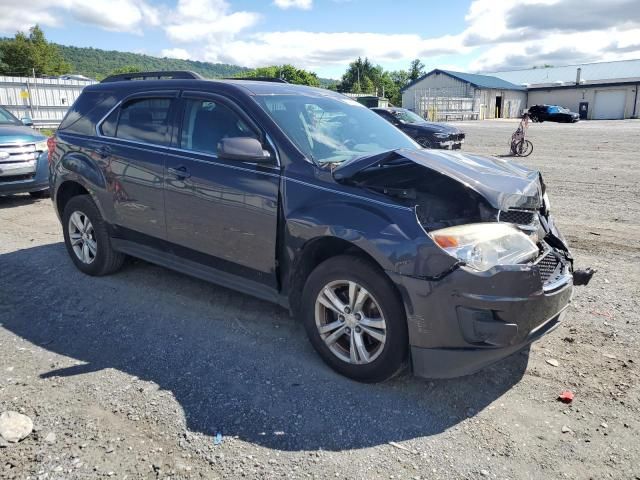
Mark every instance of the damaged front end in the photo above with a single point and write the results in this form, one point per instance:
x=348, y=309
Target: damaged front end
x=492, y=273
x=450, y=189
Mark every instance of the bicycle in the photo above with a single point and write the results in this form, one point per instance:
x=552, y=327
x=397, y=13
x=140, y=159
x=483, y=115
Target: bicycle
x=520, y=146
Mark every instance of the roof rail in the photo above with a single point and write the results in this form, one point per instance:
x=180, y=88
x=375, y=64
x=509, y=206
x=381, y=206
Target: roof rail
x=167, y=75
x=258, y=79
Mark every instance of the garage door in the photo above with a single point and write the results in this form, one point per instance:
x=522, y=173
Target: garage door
x=609, y=104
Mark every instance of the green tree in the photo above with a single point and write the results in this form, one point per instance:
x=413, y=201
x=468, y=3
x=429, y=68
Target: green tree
x=360, y=77
x=26, y=54
x=363, y=77
x=416, y=70
x=126, y=69
x=286, y=72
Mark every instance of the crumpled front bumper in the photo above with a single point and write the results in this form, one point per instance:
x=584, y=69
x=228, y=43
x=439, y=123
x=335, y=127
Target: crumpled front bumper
x=468, y=320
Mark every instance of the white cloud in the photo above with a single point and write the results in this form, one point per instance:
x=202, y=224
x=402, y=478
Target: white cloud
x=302, y=4
x=556, y=32
x=497, y=34
x=179, y=53
x=195, y=20
x=313, y=50
x=115, y=15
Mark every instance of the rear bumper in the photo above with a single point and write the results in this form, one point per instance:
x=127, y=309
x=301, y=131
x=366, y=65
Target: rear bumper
x=468, y=320
x=25, y=177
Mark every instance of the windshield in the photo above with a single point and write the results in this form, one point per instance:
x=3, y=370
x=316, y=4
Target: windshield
x=332, y=129
x=407, y=116
x=7, y=119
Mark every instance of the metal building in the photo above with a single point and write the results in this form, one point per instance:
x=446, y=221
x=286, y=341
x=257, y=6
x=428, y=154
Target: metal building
x=44, y=100
x=446, y=95
x=605, y=90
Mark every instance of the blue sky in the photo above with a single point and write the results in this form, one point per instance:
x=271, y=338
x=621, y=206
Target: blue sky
x=324, y=35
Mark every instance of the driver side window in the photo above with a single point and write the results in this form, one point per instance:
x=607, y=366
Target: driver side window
x=206, y=122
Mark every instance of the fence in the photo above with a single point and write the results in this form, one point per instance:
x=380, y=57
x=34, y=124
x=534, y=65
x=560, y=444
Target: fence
x=446, y=103
x=44, y=100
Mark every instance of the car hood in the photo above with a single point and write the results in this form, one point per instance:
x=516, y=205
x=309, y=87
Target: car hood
x=502, y=183
x=435, y=127
x=19, y=134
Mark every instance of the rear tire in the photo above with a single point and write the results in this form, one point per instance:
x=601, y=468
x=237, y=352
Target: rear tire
x=87, y=239
x=375, y=324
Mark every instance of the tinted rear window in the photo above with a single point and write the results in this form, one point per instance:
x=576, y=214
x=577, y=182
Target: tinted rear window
x=86, y=111
x=143, y=120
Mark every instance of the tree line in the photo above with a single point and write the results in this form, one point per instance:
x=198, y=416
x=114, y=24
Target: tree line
x=30, y=53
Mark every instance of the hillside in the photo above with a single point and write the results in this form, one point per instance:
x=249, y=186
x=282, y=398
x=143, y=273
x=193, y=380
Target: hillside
x=96, y=63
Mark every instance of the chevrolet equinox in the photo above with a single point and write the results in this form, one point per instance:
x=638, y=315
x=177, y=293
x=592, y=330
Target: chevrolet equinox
x=390, y=254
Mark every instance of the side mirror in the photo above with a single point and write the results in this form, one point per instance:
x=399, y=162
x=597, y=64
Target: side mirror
x=244, y=149
x=27, y=122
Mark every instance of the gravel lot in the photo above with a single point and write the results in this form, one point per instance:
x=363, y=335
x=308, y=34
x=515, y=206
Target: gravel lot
x=134, y=375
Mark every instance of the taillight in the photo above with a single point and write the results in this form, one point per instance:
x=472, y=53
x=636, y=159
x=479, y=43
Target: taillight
x=51, y=145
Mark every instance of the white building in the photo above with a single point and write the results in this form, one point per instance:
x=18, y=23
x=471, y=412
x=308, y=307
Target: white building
x=447, y=95
x=44, y=100
x=605, y=90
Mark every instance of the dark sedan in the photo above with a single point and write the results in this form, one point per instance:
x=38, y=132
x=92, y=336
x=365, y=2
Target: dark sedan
x=427, y=134
x=552, y=113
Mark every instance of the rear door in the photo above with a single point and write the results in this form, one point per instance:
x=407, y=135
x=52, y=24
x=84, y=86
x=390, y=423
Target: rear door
x=134, y=141
x=221, y=212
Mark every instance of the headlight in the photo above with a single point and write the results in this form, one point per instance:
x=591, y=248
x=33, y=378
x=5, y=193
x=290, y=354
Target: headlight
x=42, y=146
x=441, y=135
x=484, y=245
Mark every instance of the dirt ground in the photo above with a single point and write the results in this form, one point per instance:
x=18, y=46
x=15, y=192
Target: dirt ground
x=134, y=375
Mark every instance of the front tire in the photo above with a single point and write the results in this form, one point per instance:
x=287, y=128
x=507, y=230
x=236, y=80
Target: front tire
x=87, y=239
x=355, y=319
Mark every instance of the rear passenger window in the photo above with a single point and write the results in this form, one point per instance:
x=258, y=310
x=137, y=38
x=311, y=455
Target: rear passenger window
x=206, y=122
x=144, y=120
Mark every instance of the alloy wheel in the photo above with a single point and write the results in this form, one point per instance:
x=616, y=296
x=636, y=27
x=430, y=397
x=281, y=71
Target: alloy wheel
x=350, y=322
x=82, y=237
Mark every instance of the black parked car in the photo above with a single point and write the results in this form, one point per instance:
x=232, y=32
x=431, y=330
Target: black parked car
x=552, y=113
x=386, y=252
x=427, y=134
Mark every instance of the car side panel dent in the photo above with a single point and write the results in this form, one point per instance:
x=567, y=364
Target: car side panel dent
x=84, y=168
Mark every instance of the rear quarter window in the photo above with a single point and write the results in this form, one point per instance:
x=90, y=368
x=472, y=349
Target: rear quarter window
x=87, y=111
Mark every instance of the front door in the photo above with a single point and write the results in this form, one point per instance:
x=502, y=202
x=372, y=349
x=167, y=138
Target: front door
x=224, y=212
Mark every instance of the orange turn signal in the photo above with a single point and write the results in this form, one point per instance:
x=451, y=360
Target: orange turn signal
x=446, y=241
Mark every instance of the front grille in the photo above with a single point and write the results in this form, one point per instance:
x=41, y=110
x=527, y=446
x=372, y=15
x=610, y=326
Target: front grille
x=548, y=267
x=17, y=178
x=519, y=217
x=17, y=153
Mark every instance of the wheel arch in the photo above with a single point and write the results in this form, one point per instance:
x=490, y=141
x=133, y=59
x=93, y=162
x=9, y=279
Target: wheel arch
x=316, y=251
x=65, y=192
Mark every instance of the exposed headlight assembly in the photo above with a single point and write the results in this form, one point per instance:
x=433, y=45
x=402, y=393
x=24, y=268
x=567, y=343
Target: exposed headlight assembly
x=485, y=245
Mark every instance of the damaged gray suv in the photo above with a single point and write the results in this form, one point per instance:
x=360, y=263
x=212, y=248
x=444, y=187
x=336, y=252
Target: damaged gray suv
x=389, y=254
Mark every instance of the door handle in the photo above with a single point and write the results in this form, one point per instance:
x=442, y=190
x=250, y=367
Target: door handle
x=180, y=172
